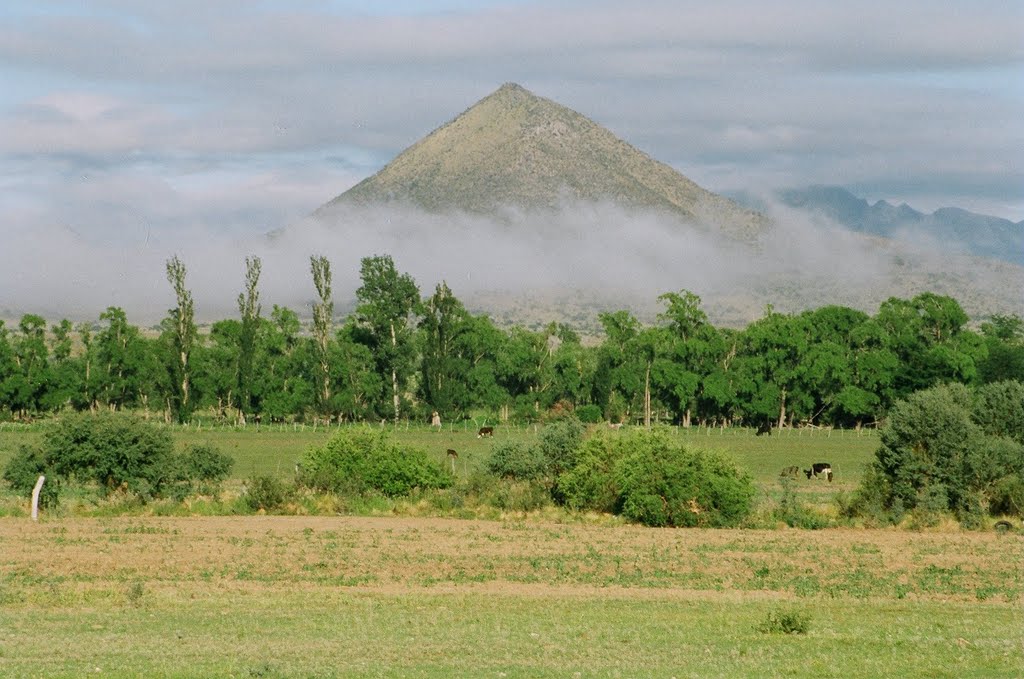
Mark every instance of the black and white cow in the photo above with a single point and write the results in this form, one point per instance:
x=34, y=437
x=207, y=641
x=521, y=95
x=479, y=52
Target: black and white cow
x=819, y=469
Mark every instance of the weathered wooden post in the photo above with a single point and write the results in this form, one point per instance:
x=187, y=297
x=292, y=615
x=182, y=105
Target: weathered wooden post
x=35, y=498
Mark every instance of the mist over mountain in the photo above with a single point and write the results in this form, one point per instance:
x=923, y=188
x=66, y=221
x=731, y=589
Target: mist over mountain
x=532, y=213
x=538, y=213
x=951, y=228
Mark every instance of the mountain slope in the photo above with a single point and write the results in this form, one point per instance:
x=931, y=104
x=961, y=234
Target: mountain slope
x=954, y=228
x=515, y=150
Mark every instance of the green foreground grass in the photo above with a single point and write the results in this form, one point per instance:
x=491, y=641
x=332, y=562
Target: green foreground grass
x=338, y=633
x=395, y=597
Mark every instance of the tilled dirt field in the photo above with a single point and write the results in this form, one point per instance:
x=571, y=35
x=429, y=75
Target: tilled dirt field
x=395, y=554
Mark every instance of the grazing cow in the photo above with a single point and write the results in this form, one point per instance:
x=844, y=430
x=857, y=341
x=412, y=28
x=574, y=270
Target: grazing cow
x=790, y=471
x=819, y=469
x=452, y=453
x=485, y=431
x=765, y=428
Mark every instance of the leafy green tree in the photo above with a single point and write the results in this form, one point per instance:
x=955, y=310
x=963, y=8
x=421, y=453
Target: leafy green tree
x=356, y=381
x=482, y=343
x=63, y=380
x=620, y=375
x=524, y=370
x=1004, y=341
x=692, y=352
x=120, y=354
x=27, y=385
x=930, y=340
x=999, y=409
x=249, y=309
x=323, y=323
x=444, y=362
x=387, y=306
x=8, y=369
x=935, y=455
x=218, y=366
x=572, y=366
x=181, y=335
x=284, y=363
x=771, y=367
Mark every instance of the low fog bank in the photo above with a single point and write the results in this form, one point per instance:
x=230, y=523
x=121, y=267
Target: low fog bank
x=510, y=266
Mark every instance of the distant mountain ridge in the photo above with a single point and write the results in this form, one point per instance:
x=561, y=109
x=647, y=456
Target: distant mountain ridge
x=516, y=150
x=976, y=234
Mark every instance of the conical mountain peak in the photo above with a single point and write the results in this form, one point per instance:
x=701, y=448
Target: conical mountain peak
x=516, y=149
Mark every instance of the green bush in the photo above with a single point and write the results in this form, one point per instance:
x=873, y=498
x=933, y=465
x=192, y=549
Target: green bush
x=25, y=468
x=785, y=622
x=590, y=414
x=794, y=513
x=360, y=460
x=515, y=459
x=664, y=484
x=115, y=450
x=265, y=492
x=649, y=478
x=941, y=451
x=999, y=409
x=558, y=443
x=553, y=453
x=591, y=483
x=205, y=463
x=1007, y=496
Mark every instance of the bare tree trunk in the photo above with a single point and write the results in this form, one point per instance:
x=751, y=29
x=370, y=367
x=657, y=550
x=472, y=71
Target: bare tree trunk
x=782, y=410
x=647, y=397
x=394, y=377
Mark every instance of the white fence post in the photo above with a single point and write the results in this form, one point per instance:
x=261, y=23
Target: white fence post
x=35, y=498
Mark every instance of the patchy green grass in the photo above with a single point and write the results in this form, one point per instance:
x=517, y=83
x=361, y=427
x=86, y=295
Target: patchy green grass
x=315, y=596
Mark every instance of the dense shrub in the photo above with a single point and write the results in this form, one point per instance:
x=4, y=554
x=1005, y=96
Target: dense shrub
x=267, y=493
x=25, y=468
x=359, y=460
x=651, y=479
x=514, y=459
x=591, y=482
x=664, y=484
x=207, y=464
x=553, y=453
x=942, y=450
x=558, y=443
x=589, y=414
x=999, y=409
x=113, y=449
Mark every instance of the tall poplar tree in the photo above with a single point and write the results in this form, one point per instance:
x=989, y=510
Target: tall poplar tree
x=323, y=319
x=249, y=309
x=182, y=335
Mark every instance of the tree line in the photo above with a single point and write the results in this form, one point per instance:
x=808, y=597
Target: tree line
x=404, y=355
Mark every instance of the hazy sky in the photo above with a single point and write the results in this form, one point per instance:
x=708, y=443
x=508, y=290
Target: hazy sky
x=137, y=123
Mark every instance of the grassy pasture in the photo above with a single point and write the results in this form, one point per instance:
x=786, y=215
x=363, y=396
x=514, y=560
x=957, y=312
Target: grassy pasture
x=356, y=596
x=275, y=449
